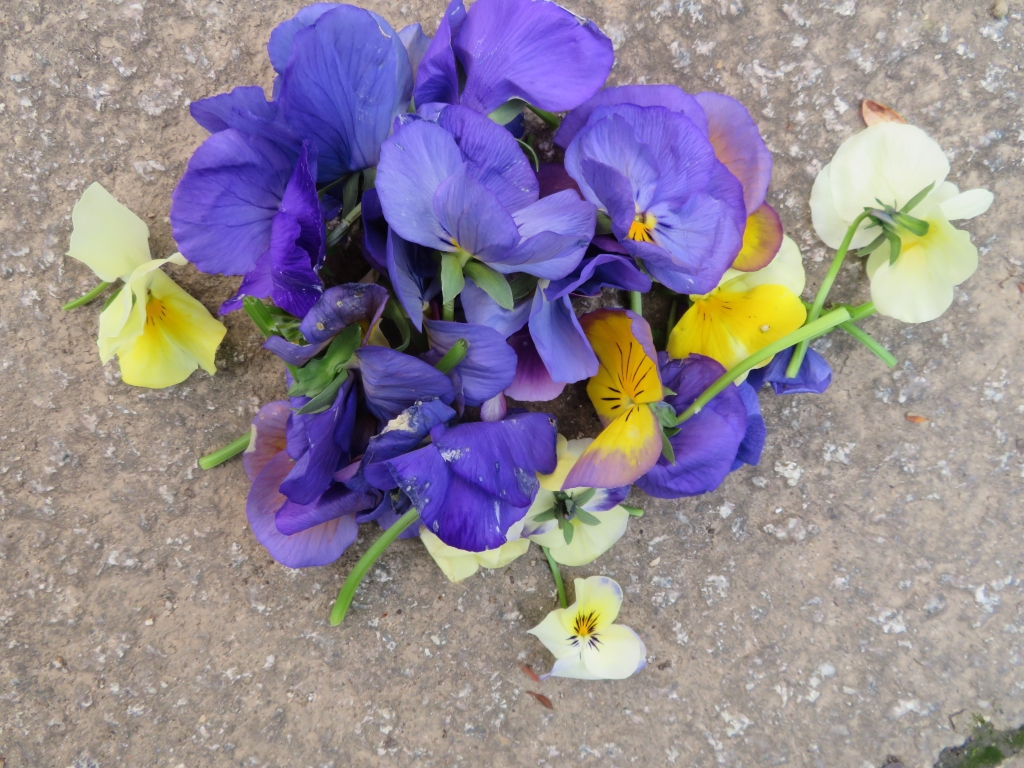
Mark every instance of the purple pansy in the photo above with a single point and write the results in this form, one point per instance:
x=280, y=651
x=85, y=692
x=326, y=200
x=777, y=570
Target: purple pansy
x=671, y=202
x=707, y=443
x=473, y=481
x=489, y=365
x=532, y=50
x=463, y=186
x=750, y=449
x=814, y=376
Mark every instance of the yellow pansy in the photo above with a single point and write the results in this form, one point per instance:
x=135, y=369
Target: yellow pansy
x=746, y=312
x=585, y=641
x=458, y=564
x=159, y=333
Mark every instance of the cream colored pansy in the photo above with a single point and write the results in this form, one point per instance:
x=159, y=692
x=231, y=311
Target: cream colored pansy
x=892, y=163
x=586, y=542
x=585, y=641
x=746, y=312
x=458, y=564
x=159, y=333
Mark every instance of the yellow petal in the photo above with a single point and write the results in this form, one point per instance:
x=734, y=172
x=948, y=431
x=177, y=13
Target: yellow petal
x=589, y=542
x=598, y=597
x=179, y=335
x=121, y=322
x=729, y=327
x=107, y=237
x=618, y=653
x=503, y=555
x=454, y=563
x=551, y=632
x=627, y=374
x=623, y=452
x=786, y=269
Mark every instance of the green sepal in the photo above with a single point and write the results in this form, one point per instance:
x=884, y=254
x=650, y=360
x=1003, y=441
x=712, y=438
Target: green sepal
x=114, y=295
x=586, y=517
x=913, y=225
x=666, y=392
x=584, y=497
x=870, y=247
x=543, y=516
x=325, y=399
x=895, y=244
x=522, y=285
x=567, y=532
x=667, y=450
x=508, y=111
x=452, y=280
x=664, y=413
x=320, y=373
x=350, y=193
x=633, y=511
x=453, y=356
x=550, y=118
x=913, y=202
x=492, y=283
x=604, y=224
x=260, y=315
x=531, y=153
x=369, y=178
x=393, y=311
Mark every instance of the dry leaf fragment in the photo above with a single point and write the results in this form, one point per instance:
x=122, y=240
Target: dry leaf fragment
x=875, y=113
x=544, y=700
x=529, y=673
x=915, y=419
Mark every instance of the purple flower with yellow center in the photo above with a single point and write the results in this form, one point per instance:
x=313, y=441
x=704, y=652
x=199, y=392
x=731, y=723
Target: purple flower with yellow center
x=474, y=481
x=653, y=161
x=462, y=186
x=532, y=50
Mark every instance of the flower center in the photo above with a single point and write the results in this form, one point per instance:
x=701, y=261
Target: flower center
x=642, y=227
x=637, y=381
x=584, y=626
x=155, y=311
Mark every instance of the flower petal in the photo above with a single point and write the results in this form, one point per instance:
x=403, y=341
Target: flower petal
x=223, y=208
x=279, y=47
x=501, y=457
x=347, y=77
x=738, y=143
x=560, y=341
x=337, y=501
x=106, y=236
x=268, y=436
x=967, y=205
x=623, y=452
x=671, y=97
x=421, y=476
x=555, y=232
x=413, y=164
x=246, y=109
x=786, y=269
x=489, y=365
x=598, y=595
x=535, y=51
x=532, y=382
x=481, y=309
x=474, y=219
x=437, y=77
x=618, y=654
x=456, y=564
x=552, y=633
x=393, y=381
x=750, y=449
x=589, y=542
x=342, y=305
x=320, y=545
x=605, y=270
x=472, y=519
x=762, y=239
x=814, y=376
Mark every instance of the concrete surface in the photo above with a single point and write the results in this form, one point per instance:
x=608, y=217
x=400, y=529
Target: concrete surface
x=856, y=596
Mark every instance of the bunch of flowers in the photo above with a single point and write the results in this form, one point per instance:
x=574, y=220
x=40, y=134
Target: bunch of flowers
x=425, y=154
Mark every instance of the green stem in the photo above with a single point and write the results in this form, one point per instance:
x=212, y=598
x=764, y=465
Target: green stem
x=211, y=460
x=448, y=311
x=346, y=224
x=550, y=118
x=558, y=577
x=819, y=327
x=826, y=286
x=360, y=569
x=636, y=302
x=81, y=300
x=867, y=309
x=864, y=338
x=453, y=356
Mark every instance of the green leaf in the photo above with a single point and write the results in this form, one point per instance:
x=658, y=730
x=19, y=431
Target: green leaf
x=260, y=314
x=508, y=111
x=350, y=194
x=586, y=518
x=522, y=285
x=666, y=449
x=913, y=202
x=492, y=283
x=567, y=532
x=325, y=399
x=550, y=118
x=452, y=280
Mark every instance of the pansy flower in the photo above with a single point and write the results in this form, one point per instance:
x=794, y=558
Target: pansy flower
x=462, y=186
x=745, y=313
x=474, y=481
x=159, y=333
x=891, y=164
x=577, y=525
x=533, y=50
x=814, y=376
x=585, y=640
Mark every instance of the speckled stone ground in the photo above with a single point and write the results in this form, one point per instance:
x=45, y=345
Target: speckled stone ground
x=857, y=595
